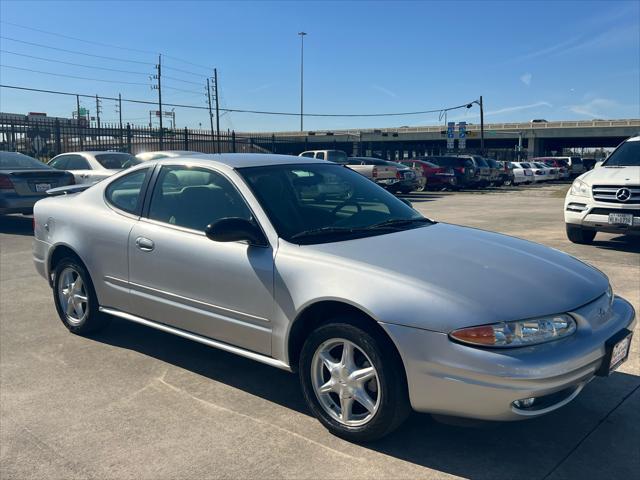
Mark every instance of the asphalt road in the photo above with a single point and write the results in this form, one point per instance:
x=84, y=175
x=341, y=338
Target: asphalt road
x=133, y=402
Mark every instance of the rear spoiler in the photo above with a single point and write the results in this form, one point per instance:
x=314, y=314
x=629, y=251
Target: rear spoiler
x=69, y=189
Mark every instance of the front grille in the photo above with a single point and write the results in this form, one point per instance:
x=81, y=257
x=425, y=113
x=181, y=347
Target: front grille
x=610, y=193
x=607, y=211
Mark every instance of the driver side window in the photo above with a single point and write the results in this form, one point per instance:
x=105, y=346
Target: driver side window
x=195, y=197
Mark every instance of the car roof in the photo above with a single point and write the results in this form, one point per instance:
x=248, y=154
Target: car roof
x=240, y=160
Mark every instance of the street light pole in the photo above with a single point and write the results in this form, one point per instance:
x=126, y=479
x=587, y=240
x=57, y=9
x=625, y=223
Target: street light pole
x=302, y=35
x=481, y=105
x=481, y=126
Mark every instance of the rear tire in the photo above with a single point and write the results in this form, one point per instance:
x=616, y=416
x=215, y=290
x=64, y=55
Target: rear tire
x=580, y=235
x=75, y=298
x=330, y=392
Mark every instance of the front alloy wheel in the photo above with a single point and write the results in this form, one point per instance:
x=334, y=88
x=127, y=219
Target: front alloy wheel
x=353, y=380
x=345, y=382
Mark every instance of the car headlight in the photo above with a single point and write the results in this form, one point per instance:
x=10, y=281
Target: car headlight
x=580, y=189
x=518, y=333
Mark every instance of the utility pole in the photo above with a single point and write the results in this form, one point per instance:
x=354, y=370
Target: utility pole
x=120, y=109
x=78, y=124
x=210, y=113
x=215, y=91
x=302, y=35
x=158, y=87
x=98, y=109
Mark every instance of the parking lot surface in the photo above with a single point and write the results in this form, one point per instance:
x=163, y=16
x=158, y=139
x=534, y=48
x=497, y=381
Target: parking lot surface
x=133, y=402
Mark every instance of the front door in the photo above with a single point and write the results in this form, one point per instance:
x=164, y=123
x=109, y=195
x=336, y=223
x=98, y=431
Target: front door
x=179, y=277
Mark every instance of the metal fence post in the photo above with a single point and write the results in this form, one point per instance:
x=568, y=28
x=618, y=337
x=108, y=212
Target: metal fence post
x=233, y=141
x=128, y=138
x=56, y=134
x=186, y=138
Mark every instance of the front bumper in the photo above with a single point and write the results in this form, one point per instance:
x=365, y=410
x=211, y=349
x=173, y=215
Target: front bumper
x=589, y=214
x=448, y=378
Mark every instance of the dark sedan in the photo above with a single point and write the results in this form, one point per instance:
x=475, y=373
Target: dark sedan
x=25, y=180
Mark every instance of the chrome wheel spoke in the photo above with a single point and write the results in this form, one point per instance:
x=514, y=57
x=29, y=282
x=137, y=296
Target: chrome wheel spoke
x=363, y=374
x=347, y=360
x=328, y=361
x=77, y=285
x=327, y=387
x=70, y=306
x=345, y=408
x=80, y=298
x=363, y=398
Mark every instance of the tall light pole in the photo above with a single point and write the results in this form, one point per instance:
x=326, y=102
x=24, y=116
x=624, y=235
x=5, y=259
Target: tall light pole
x=480, y=104
x=302, y=35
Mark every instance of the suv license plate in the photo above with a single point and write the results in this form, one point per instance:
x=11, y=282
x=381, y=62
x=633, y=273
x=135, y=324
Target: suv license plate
x=43, y=187
x=621, y=219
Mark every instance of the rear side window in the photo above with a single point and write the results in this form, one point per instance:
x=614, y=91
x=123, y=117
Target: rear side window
x=320, y=155
x=125, y=192
x=116, y=161
x=307, y=154
x=77, y=162
x=60, y=163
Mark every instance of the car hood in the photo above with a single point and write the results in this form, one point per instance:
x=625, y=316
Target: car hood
x=612, y=176
x=466, y=276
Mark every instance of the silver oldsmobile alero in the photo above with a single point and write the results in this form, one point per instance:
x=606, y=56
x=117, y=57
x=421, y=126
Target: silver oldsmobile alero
x=306, y=265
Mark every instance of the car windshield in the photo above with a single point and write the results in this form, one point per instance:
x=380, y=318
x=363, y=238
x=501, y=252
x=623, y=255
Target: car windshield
x=117, y=161
x=627, y=155
x=18, y=161
x=318, y=203
x=481, y=162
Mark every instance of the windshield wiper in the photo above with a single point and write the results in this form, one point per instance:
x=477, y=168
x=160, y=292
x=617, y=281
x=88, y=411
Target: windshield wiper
x=392, y=223
x=323, y=231
x=398, y=222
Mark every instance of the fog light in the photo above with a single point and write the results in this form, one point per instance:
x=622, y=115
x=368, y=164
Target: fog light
x=524, y=403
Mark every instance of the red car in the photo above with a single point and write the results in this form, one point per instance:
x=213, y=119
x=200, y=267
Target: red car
x=433, y=176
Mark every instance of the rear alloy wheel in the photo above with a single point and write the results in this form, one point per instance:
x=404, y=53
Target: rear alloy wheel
x=580, y=235
x=354, y=393
x=422, y=186
x=507, y=182
x=75, y=298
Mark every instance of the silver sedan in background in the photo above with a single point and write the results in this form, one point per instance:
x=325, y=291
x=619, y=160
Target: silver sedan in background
x=91, y=167
x=377, y=308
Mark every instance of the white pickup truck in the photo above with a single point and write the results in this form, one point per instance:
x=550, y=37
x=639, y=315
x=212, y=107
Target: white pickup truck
x=372, y=168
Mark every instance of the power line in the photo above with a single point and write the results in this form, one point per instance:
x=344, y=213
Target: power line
x=75, y=51
x=186, y=71
x=75, y=38
x=180, y=80
x=76, y=64
x=101, y=44
x=181, y=89
x=257, y=112
x=72, y=76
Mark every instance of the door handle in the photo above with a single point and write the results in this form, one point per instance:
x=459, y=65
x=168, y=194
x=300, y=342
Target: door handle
x=145, y=244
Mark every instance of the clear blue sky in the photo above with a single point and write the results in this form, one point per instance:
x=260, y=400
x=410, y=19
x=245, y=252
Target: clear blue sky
x=546, y=59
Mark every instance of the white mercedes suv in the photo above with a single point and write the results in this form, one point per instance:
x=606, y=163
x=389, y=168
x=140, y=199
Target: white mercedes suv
x=607, y=198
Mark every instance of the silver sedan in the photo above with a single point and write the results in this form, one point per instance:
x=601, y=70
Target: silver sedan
x=378, y=308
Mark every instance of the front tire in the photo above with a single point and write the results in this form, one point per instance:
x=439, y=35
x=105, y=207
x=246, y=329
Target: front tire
x=75, y=298
x=350, y=385
x=580, y=235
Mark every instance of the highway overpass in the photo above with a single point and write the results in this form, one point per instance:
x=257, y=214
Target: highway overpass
x=534, y=138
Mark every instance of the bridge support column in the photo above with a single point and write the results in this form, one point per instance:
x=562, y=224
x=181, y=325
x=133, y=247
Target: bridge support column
x=535, y=147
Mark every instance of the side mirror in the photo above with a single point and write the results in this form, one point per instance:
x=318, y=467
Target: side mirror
x=234, y=230
x=406, y=202
x=599, y=164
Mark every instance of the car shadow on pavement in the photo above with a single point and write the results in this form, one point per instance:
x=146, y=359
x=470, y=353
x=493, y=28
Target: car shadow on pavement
x=471, y=449
x=623, y=243
x=16, y=225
